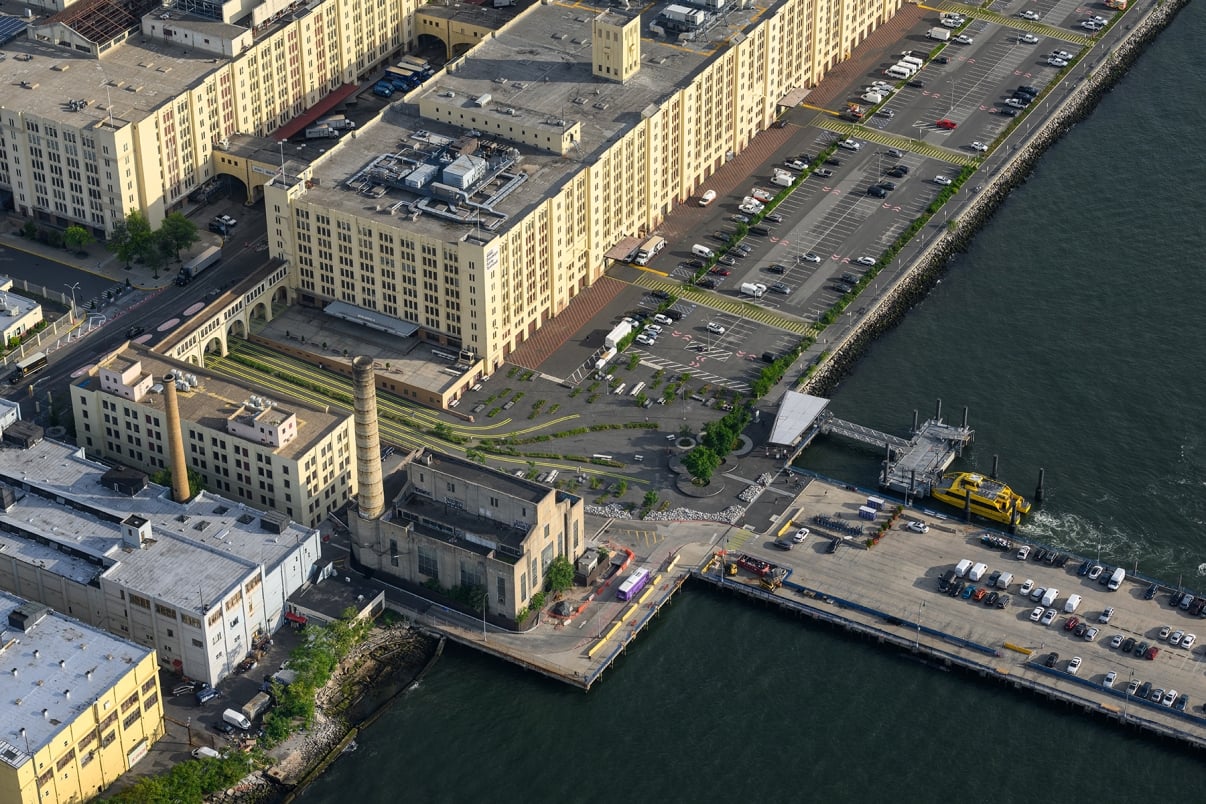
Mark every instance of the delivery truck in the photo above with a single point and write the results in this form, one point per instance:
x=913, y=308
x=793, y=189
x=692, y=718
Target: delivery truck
x=755, y=289
x=203, y=261
x=941, y=34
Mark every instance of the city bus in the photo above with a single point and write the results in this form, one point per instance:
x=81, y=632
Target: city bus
x=27, y=366
x=633, y=585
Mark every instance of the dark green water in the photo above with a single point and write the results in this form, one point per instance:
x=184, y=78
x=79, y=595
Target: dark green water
x=1072, y=330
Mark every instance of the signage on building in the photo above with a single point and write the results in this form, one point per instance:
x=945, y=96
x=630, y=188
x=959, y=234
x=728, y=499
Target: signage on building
x=137, y=752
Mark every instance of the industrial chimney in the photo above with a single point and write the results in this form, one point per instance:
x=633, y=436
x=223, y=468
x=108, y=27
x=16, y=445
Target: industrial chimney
x=180, y=490
x=370, y=496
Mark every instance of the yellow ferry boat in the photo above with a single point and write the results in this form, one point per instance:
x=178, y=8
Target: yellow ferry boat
x=990, y=498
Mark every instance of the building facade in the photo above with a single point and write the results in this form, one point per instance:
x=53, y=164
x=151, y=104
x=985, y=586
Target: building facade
x=296, y=460
x=611, y=156
x=462, y=526
x=80, y=707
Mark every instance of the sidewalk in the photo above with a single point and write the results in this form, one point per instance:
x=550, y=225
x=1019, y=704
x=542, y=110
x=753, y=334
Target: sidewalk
x=97, y=261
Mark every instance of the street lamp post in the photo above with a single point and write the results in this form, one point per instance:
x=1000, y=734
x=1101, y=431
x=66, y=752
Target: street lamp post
x=917, y=641
x=72, y=288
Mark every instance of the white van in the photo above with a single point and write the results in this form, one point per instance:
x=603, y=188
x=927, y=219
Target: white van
x=913, y=61
x=707, y=198
x=1049, y=596
x=977, y=572
x=205, y=752
x=1005, y=579
x=897, y=72
x=1073, y=604
x=962, y=567
x=236, y=719
x=1116, y=579
x=702, y=251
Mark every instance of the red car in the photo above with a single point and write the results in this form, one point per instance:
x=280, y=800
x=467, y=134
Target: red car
x=1071, y=623
x=948, y=125
x=720, y=271
x=1152, y=653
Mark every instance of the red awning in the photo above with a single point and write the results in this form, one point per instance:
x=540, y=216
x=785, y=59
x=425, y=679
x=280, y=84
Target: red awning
x=295, y=618
x=332, y=99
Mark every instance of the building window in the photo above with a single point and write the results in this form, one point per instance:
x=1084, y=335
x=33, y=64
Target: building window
x=428, y=565
x=393, y=552
x=502, y=591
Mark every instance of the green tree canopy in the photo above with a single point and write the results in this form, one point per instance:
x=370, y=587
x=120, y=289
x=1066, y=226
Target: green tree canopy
x=701, y=462
x=179, y=231
x=77, y=238
x=560, y=575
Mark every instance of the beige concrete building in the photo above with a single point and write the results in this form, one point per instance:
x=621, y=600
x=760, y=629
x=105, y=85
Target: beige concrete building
x=79, y=708
x=292, y=459
x=110, y=107
x=18, y=315
x=482, y=206
x=460, y=525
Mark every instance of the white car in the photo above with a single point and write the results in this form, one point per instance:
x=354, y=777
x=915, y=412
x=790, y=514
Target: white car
x=1116, y=641
x=663, y=320
x=964, y=39
x=1091, y=634
x=796, y=164
x=1176, y=638
x=850, y=145
x=1110, y=678
x=1106, y=615
x=1031, y=15
x=1061, y=54
x=654, y=330
x=226, y=220
x=1188, y=640
x=945, y=181
x=981, y=148
x=1027, y=587
x=645, y=340
x=800, y=536
x=1048, y=617
x=1074, y=665
x=866, y=261
x=952, y=22
x=1169, y=697
x=1028, y=39
x=715, y=328
x=1036, y=614
x=1057, y=62
x=917, y=526
x=1089, y=25
x=812, y=257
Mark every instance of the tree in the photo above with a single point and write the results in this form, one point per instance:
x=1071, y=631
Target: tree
x=160, y=251
x=180, y=232
x=701, y=462
x=560, y=575
x=131, y=238
x=77, y=238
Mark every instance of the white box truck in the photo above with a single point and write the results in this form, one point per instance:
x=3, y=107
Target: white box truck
x=783, y=178
x=941, y=34
x=977, y=572
x=962, y=567
x=755, y=289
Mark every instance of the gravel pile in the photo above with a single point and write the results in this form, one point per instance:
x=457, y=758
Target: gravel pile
x=750, y=493
x=765, y=478
x=611, y=511
x=730, y=515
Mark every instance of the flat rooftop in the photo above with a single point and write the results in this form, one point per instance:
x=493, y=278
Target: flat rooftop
x=71, y=524
x=214, y=400
x=540, y=67
x=93, y=661
x=136, y=77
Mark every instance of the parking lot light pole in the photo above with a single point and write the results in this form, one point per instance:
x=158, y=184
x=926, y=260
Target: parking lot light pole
x=917, y=641
x=73, y=289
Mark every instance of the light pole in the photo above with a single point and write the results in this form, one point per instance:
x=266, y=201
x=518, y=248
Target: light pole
x=917, y=641
x=1127, y=702
x=72, y=288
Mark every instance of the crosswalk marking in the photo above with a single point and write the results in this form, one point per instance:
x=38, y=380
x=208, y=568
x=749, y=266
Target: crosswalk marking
x=895, y=141
x=1037, y=28
x=740, y=309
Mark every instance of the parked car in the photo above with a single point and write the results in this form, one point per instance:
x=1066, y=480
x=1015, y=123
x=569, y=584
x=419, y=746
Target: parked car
x=773, y=217
x=946, y=124
x=1048, y=617
x=1165, y=630
x=715, y=329
x=1106, y=615
x=964, y=39
x=917, y=526
x=1116, y=640
x=1188, y=640
x=943, y=180
x=1028, y=39
x=776, y=269
x=980, y=147
x=1151, y=591
x=1074, y=665
x=1128, y=644
x=1071, y=623
x=823, y=173
x=1036, y=614
x=1051, y=659
x=812, y=257
x=800, y=535
x=866, y=261
x=1090, y=634
x=1027, y=587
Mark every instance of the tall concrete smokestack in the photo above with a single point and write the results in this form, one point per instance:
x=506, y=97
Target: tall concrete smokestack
x=370, y=495
x=180, y=490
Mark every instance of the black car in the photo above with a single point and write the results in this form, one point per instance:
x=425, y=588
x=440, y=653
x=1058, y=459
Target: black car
x=779, y=287
x=1144, y=691
x=673, y=315
x=1028, y=90
x=1080, y=629
x=773, y=217
x=1007, y=111
x=723, y=237
x=1151, y=591
x=1141, y=648
x=834, y=544
x=707, y=282
x=1002, y=601
x=1052, y=658
x=1084, y=568
x=1062, y=560
x=218, y=227
x=956, y=587
x=877, y=192
x=942, y=60
x=833, y=160
x=992, y=598
x=902, y=169
x=842, y=289
x=222, y=727
x=1038, y=555
x=134, y=332
x=1104, y=577
x=896, y=173
x=1197, y=606
x=1174, y=599
x=917, y=84
x=993, y=578
x=776, y=269
x=761, y=231
x=888, y=185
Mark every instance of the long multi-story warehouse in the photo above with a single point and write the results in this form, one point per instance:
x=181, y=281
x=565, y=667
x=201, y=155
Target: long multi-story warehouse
x=110, y=107
x=198, y=581
x=295, y=460
x=78, y=707
x=481, y=206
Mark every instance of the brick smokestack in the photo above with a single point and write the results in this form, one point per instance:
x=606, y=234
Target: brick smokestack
x=370, y=495
x=180, y=490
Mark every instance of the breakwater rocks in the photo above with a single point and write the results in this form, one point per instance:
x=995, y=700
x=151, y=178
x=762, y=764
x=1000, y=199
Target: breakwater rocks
x=1074, y=100
x=730, y=516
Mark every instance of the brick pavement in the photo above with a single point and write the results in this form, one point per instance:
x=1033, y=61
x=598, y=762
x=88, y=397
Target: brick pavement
x=549, y=338
x=867, y=56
